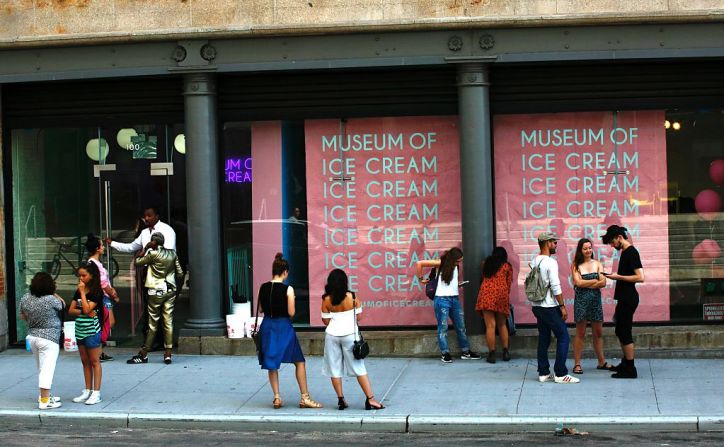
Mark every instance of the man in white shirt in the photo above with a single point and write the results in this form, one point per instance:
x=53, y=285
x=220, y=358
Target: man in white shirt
x=551, y=315
x=153, y=224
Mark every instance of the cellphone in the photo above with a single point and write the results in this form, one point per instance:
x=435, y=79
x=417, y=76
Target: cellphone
x=606, y=274
x=462, y=283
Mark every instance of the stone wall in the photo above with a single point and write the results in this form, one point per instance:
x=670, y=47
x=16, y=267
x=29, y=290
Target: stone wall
x=65, y=22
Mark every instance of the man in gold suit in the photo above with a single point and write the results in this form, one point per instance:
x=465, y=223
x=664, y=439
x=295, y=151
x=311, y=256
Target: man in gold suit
x=163, y=269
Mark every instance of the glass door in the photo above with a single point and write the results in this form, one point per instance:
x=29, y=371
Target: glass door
x=68, y=182
x=147, y=172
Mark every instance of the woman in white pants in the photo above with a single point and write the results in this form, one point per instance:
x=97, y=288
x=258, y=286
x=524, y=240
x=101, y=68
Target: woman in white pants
x=40, y=308
x=340, y=312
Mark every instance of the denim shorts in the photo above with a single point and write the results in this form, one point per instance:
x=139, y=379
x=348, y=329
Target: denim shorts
x=107, y=302
x=94, y=341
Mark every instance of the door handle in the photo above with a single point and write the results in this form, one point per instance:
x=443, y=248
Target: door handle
x=165, y=168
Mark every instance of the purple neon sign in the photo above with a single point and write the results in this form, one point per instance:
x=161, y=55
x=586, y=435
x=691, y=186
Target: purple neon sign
x=237, y=170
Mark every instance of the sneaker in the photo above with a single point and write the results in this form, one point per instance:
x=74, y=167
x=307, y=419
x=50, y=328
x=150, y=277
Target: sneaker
x=83, y=396
x=105, y=357
x=545, y=378
x=136, y=359
x=49, y=405
x=51, y=398
x=94, y=398
x=470, y=355
x=446, y=358
x=567, y=379
x=626, y=373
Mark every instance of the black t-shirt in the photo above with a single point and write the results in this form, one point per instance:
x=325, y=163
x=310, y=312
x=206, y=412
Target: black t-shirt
x=630, y=261
x=273, y=299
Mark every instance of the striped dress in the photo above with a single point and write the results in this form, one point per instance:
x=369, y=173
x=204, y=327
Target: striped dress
x=86, y=326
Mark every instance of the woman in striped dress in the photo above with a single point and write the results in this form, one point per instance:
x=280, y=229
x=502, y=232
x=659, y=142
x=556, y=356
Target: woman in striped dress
x=86, y=307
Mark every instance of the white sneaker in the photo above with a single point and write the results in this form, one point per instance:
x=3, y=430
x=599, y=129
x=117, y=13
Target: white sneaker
x=49, y=405
x=94, y=398
x=545, y=378
x=567, y=379
x=83, y=397
x=51, y=399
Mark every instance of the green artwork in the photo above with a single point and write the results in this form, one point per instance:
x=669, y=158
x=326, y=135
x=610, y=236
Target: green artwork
x=144, y=147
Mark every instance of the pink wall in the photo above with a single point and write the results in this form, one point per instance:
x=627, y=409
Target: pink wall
x=400, y=200
x=553, y=173
x=266, y=153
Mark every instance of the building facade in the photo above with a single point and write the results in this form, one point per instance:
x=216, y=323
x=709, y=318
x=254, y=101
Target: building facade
x=363, y=135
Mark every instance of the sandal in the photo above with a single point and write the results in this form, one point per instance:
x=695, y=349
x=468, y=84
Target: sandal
x=307, y=402
x=577, y=369
x=277, y=402
x=607, y=366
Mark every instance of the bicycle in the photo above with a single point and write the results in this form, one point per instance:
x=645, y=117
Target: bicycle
x=72, y=247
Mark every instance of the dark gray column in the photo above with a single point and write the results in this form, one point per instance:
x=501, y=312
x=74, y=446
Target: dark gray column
x=202, y=200
x=476, y=179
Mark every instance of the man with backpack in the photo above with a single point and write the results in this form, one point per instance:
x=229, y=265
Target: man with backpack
x=543, y=289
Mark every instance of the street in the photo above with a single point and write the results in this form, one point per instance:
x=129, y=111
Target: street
x=17, y=435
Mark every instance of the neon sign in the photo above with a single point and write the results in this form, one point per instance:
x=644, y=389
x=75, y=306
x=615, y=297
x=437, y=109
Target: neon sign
x=237, y=170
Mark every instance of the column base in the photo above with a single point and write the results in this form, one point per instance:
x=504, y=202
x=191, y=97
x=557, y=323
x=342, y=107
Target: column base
x=203, y=327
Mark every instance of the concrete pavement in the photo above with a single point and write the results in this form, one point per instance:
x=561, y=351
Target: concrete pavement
x=422, y=395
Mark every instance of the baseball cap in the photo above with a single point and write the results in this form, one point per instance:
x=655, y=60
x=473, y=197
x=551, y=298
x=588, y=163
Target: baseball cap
x=547, y=236
x=612, y=232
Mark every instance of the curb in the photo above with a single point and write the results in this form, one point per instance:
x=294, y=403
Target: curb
x=375, y=423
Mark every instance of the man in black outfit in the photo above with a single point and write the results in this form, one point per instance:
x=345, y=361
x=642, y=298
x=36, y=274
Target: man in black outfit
x=630, y=271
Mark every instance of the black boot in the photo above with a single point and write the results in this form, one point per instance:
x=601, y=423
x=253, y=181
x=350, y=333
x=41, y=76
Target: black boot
x=626, y=370
x=491, y=357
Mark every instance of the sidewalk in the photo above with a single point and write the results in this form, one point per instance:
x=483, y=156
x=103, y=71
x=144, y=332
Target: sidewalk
x=422, y=395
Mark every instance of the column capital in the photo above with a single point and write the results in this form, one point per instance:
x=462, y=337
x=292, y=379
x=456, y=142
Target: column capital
x=199, y=84
x=473, y=74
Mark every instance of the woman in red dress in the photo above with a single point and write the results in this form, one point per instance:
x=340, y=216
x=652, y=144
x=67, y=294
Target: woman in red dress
x=493, y=300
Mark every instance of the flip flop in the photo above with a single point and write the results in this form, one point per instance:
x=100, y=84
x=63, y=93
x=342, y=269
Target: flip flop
x=577, y=369
x=607, y=366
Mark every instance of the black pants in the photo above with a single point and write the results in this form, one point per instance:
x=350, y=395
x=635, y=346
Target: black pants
x=623, y=316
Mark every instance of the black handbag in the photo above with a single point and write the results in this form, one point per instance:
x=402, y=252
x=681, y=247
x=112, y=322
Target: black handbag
x=360, y=348
x=431, y=286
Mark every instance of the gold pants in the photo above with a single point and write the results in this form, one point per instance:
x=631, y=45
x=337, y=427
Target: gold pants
x=158, y=305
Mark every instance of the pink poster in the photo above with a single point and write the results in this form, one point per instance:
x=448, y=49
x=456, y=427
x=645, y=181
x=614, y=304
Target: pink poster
x=382, y=193
x=575, y=174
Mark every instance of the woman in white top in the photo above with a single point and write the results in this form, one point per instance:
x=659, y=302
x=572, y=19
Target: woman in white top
x=447, y=303
x=340, y=309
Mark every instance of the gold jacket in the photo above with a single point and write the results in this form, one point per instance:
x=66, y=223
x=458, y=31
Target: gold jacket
x=163, y=266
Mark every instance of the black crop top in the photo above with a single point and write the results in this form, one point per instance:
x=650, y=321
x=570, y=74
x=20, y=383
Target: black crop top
x=273, y=299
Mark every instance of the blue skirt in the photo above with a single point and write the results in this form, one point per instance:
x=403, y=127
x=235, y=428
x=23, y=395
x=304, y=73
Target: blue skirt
x=279, y=343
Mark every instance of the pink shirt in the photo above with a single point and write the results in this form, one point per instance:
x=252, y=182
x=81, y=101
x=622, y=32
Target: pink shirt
x=104, y=273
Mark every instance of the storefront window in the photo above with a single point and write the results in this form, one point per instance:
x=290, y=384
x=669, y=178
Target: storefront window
x=370, y=196
x=577, y=173
x=68, y=182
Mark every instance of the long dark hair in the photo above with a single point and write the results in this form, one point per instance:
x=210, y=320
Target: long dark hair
x=95, y=283
x=578, y=257
x=336, y=287
x=494, y=262
x=448, y=262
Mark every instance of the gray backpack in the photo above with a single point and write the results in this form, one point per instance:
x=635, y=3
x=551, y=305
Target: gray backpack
x=536, y=287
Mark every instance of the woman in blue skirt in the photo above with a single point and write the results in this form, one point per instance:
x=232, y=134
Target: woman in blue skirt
x=279, y=342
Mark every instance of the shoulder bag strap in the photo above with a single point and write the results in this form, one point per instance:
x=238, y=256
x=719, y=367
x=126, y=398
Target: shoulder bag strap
x=354, y=315
x=258, y=302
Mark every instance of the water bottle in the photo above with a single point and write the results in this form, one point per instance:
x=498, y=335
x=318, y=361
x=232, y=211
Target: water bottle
x=27, y=345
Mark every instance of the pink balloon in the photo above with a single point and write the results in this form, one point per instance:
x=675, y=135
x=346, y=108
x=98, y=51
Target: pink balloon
x=700, y=255
x=711, y=248
x=716, y=171
x=707, y=204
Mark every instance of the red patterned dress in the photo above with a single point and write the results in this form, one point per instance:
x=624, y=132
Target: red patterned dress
x=495, y=291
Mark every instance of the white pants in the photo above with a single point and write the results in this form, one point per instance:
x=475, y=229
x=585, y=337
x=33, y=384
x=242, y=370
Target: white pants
x=46, y=356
